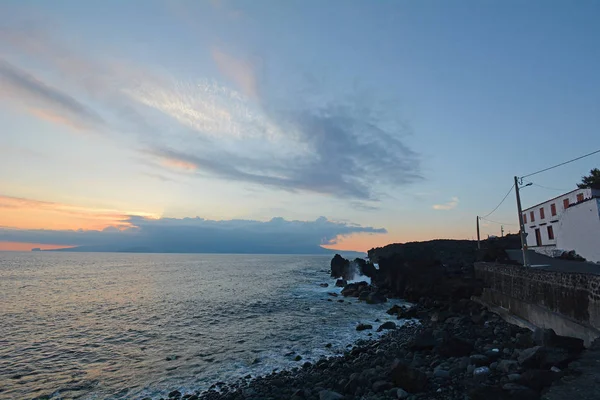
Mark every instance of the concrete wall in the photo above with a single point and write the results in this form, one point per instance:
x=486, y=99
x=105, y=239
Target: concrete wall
x=569, y=303
x=579, y=230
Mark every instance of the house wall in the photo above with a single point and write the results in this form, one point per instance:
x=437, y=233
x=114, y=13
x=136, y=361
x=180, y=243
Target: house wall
x=550, y=220
x=579, y=230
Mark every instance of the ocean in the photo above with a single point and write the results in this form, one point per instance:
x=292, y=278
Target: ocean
x=128, y=326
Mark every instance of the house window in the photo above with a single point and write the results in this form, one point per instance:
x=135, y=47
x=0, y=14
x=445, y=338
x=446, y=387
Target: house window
x=580, y=197
x=542, y=216
x=566, y=203
x=550, y=232
x=553, y=209
x=532, y=215
x=524, y=218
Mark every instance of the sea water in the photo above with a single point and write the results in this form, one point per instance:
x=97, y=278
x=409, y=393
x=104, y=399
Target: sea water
x=123, y=326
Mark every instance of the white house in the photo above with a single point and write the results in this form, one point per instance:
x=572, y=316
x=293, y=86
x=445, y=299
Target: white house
x=567, y=222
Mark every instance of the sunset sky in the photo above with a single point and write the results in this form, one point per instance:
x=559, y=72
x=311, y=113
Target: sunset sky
x=393, y=120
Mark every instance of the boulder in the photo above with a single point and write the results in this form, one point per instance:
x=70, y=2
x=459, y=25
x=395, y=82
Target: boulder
x=299, y=393
x=375, y=298
x=556, y=357
x=548, y=338
x=481, y=373
x=381, y=386
x=353, y=289
x=341, y=283
x=340, y=268
x=544, y=357
x=543, y=337
x=353, y=383
x=408, y=313
x=425, y=341
x=531, y=358
x=488, y=393
x=441, y=373
x=329, y=395
x=537, y=379
x=520, y=392
x=386, y=325
x=402, y=394
x=524, y=340
x=362, y=327
x=493, y=354
x=324, y=284
x=364, y=295
x=407, y=377
x=395, y=310
x=365, y=268
x=454, y=347
x=507, y=366
x=479, y=360
x=439, y=316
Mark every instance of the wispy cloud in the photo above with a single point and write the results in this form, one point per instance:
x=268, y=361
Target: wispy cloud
x=277, y=235
x=17, y=84
x=51, y=116
x=342, y=147
x=453, y=203
x=160, y=177
x=241, y=72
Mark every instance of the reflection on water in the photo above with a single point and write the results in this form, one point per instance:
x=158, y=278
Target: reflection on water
x=104, y=325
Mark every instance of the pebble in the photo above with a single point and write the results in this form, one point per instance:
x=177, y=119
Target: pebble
x=441, y=373
x=481, y=372
x=329, y=395
x=514, y=377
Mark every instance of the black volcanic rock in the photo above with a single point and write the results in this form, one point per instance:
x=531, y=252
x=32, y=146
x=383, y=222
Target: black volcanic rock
x=413, y=279
x=355, y=289
x=365, y=268
x=408, y=378
x=340, y=268
x=341, y=283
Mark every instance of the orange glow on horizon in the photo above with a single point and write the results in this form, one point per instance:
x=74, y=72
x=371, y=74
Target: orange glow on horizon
x=22, y=246
x=365, y=242
x=21, y=213
x=360, y=242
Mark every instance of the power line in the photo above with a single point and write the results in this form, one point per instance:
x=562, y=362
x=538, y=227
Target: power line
x=549, y=188
x=558, y=165
x=491, y=212
x=496, y=222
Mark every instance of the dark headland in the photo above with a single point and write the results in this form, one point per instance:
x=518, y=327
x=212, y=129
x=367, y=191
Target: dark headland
x=451, y=348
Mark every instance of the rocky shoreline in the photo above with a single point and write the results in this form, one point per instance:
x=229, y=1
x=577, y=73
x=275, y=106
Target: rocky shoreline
x=449, y=347
x=457, y=351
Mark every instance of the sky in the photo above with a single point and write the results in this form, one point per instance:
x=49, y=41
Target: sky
x=350, y=124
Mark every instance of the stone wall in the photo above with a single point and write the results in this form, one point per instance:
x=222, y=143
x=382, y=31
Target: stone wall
x=569, y=303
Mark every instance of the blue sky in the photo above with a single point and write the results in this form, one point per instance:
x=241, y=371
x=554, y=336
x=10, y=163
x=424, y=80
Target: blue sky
x=409, y=117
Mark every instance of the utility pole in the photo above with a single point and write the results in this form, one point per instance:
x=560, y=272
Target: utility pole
x=521, y=225
x=501, y=230
x=478, y=238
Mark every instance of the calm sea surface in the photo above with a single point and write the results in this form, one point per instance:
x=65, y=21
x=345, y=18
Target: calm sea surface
x=116, y=326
